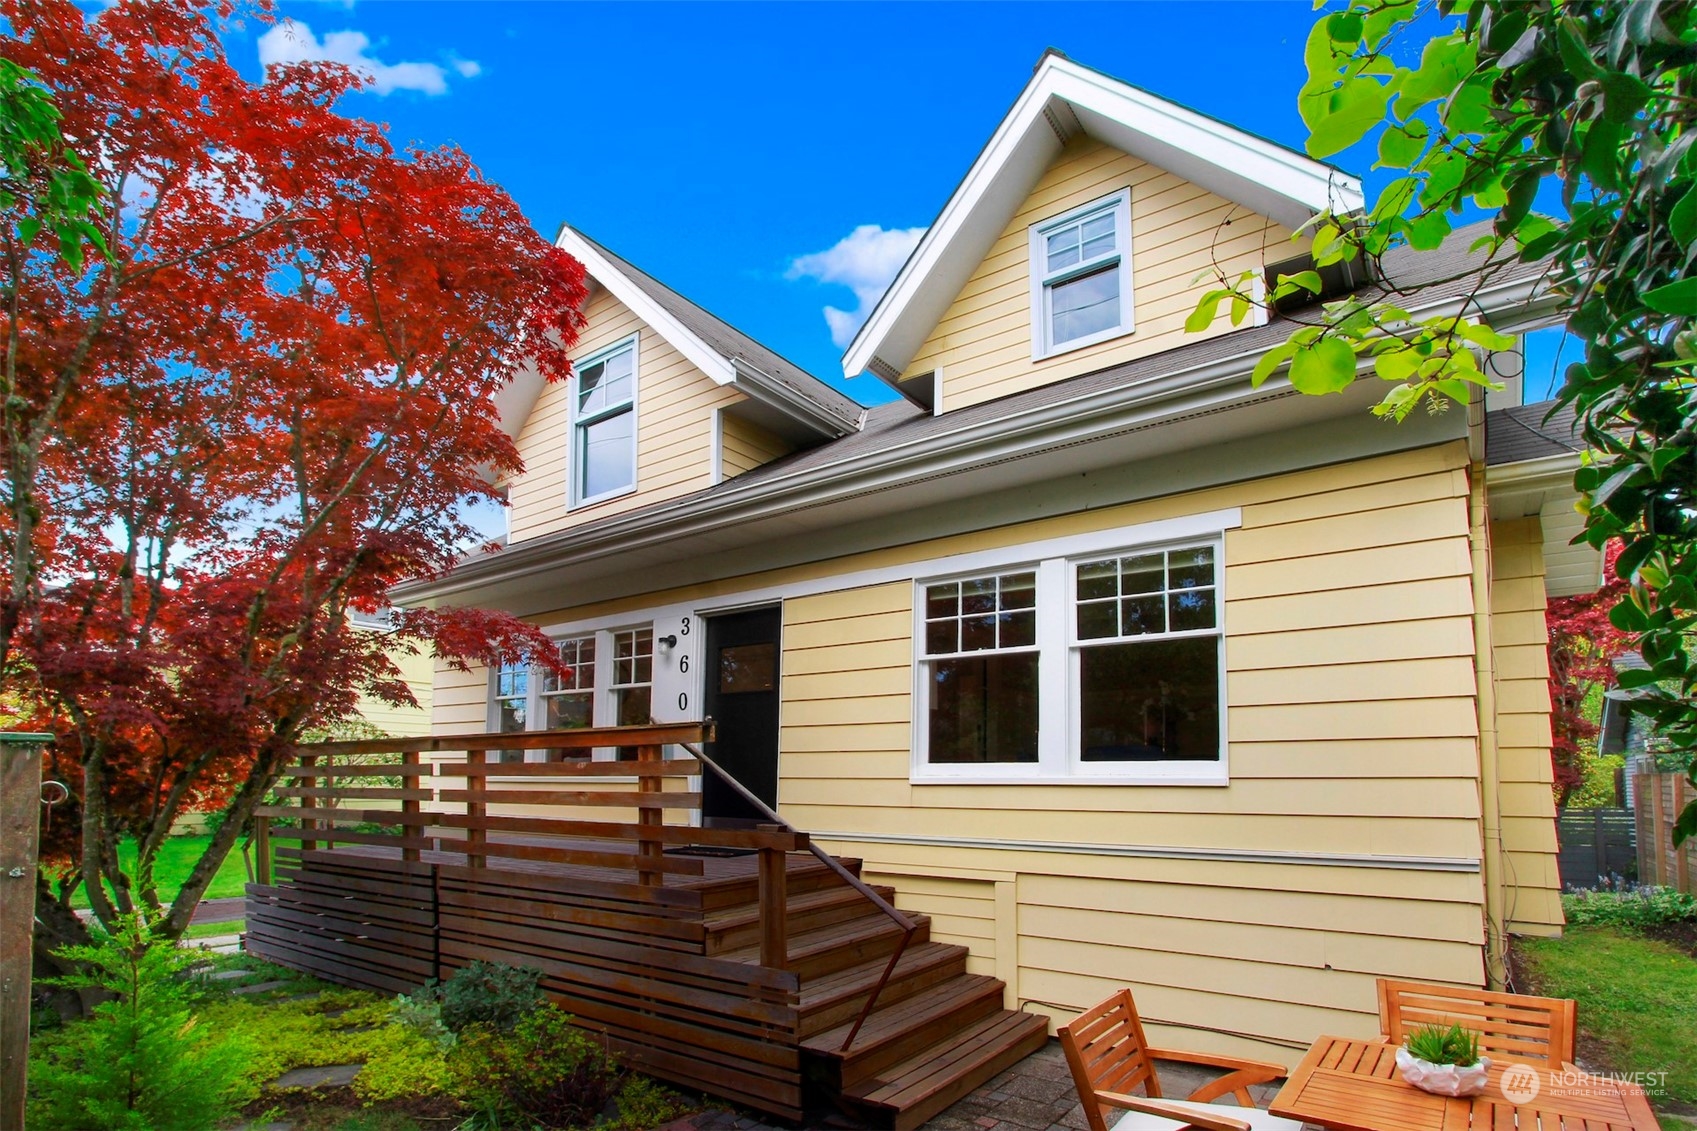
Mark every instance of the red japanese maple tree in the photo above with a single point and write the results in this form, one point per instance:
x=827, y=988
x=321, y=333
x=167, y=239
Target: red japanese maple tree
x=266, y=406
x=1583, y=646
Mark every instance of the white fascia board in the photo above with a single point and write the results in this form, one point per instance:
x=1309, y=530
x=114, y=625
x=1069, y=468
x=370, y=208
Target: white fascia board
x=699, y=354
x=1254, y=172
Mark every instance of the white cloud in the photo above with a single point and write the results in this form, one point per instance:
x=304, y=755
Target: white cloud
x=864, y=261
x=293, y=42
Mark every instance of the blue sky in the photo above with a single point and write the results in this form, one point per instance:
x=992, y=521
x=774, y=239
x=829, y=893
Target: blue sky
x=725, y=147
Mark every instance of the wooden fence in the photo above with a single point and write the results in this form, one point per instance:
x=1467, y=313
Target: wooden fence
x=388, y=897
x=1597, y=845
x=1658, y=799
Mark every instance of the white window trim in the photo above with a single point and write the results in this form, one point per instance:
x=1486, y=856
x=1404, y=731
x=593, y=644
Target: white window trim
x=574, y=501
x=1041, y=345
x=1059, y=760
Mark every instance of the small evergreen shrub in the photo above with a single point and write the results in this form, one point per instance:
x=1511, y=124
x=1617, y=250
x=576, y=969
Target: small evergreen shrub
x=1631, y=908
x=143, y=1061
x=1439, y=1045
x=484, y=993
x=545, y=1072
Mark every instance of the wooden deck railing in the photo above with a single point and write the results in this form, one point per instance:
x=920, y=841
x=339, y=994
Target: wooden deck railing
x=328, y=793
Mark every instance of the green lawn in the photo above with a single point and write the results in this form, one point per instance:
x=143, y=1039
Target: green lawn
x=175, y=860
x=1636, y=996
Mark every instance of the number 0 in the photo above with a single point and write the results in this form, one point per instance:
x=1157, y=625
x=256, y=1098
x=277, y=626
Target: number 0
x=683, y=700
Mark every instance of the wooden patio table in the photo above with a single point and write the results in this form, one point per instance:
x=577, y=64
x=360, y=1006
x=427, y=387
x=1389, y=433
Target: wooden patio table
x=1353, y=1085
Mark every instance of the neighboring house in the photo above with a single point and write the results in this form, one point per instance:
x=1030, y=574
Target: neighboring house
x=1123, y=671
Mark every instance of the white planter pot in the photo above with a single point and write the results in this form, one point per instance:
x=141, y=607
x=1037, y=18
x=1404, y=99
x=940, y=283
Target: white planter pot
x=1443, y=1079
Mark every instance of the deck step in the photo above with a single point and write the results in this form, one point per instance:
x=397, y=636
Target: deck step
x=908, y=1093
x=838, y=946
x=900, y=1030
x=830, y=1000
x=805, y=874
x=739, y=926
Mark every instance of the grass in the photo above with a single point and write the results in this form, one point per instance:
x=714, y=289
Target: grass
x=212, y=930
x=176, y=858
x=1636, y=997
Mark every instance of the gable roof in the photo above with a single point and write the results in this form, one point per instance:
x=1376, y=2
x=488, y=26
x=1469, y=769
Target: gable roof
x=901, y=446
x=1064, y=100
x=783, y=397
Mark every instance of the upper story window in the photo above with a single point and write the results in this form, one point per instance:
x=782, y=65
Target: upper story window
x=1081, y=276
x=1107, y=667
x=603, y=445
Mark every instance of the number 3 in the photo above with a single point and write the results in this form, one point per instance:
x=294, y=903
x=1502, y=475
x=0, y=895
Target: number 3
x=685, y=628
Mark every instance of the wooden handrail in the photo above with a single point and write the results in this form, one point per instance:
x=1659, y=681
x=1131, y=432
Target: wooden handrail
x=908, y=926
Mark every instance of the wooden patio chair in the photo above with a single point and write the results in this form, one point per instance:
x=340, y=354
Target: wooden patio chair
x=1512, y=1027
x=1109, y=1057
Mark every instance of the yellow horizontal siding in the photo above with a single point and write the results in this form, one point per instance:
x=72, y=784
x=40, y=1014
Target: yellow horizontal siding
x=1526, y=796
x=676, y=403
x=744, y=445
x=983, y=341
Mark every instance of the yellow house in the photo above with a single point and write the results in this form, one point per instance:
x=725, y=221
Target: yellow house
x=1121, y=670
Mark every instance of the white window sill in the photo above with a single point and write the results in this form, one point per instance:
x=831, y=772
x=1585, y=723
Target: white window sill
x=1188, y=779
x=553, y=779
x=585, y=504
x=1081, y=343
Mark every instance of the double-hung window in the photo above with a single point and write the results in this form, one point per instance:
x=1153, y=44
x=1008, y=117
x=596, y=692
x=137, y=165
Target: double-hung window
x=1081, y=276
x=512, y=706
x=981, y=666
x=1147, y=650
x=603, y=444
x=1089, y=666
x=633, y=681
x=567, y=701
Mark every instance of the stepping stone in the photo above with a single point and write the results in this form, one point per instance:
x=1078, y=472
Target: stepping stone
x=229, y=975
x=261, y=987
x=329, y=1076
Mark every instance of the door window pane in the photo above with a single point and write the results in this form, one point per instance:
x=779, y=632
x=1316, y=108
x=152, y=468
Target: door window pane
x=748, y=667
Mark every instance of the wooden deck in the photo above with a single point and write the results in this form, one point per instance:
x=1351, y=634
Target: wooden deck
x=775, y=978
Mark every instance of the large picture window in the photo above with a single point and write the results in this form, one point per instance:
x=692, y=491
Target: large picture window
x=1081, y=276
x=1101, y=667
x=603, y=447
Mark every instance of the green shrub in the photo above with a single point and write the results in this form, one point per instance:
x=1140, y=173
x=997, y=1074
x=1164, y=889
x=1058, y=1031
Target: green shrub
x=545, y=1072
x=1630, y=909
x=423, y=1015
x=143, y=1061
x=644, y=1103
x=1439, y=1045
x=484, y=993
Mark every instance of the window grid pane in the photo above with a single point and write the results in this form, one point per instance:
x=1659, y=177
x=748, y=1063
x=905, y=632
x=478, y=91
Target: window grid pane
x=1147, y=594
x=981, y=614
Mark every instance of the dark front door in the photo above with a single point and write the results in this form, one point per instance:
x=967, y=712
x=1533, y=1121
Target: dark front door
x=741, y=680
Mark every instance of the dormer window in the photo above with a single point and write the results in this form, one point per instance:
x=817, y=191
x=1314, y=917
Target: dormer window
x=1081, y=276
x=603, y=447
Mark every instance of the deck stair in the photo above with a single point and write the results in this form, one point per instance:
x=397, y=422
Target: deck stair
x=741, y=961
x=937, y=1031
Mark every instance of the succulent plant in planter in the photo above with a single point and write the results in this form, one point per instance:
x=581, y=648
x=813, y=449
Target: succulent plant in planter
x=1443, y=1061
